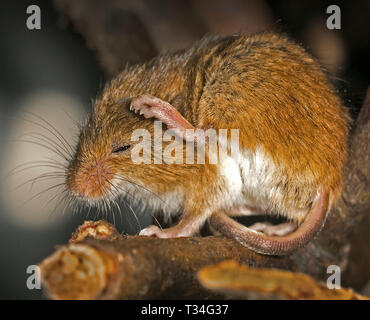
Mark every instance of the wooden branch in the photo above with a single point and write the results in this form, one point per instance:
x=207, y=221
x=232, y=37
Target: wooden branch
x=99, y=263
x=240, y=281
x=129, y=41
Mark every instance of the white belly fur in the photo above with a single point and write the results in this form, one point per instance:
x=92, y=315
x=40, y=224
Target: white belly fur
x=252, y=179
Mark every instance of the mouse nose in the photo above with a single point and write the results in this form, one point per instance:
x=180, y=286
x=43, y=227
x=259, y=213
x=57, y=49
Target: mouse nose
x=91, y=182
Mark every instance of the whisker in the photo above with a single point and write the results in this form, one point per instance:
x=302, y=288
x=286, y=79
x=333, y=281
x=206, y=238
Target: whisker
x=42, y=145
x=56, y=148
x=47, y=176
x=156, y=220
x=88, y=212
x=40, y=162
x=68, y=204
x=50, y=200
x=47, y=139
x=40, y=178
x=120, y=177
x=62, y=198
x=127, y=219
x=37, y=166
x=114, y=195
x=54, y=128
x=75, y=122
x=43, y=191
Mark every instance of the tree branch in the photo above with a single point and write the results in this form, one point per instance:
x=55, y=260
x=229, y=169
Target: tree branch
x=240, y=281
x=99, y=263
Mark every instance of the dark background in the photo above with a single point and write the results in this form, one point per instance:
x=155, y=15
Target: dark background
x=54, y=63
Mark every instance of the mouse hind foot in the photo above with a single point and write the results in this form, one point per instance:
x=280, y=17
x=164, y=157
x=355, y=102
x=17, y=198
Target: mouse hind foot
x=264, y=227
x=269, y=229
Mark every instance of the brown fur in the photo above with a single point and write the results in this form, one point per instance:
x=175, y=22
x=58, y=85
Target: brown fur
x=265, y=85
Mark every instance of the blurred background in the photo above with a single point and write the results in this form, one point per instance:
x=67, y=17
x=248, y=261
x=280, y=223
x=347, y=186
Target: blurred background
x=48, y=78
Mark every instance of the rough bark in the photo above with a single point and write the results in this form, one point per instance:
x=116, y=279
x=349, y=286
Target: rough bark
x=99, y=263
x=240, y=281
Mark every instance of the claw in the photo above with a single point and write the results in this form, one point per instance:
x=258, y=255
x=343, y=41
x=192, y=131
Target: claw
x=150, y=231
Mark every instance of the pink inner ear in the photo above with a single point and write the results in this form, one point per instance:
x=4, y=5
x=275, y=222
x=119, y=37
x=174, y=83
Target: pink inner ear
x=152, y=107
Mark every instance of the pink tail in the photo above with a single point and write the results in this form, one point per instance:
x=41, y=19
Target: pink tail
x=274, y=245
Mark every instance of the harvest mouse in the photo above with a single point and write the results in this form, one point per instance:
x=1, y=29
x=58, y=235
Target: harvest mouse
x=292, y=140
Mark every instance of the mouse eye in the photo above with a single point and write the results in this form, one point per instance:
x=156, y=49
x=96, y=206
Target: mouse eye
x=121, y=148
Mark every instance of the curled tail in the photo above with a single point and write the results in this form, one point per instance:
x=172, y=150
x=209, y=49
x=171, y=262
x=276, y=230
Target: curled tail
x=274, y=245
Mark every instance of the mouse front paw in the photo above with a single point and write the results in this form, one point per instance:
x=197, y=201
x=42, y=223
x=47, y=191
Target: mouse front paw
x=150, y=231
x=274, y=230
x=146, y=105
